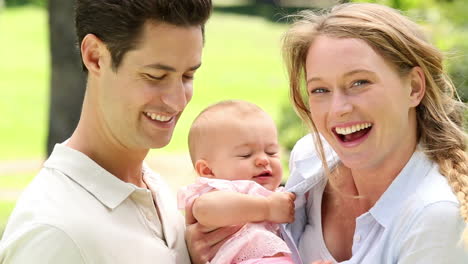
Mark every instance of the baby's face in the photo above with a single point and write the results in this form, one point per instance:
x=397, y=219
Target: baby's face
x=247, y=150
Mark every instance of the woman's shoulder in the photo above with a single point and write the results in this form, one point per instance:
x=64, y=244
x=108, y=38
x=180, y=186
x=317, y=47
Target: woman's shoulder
x=432, y=205
x=429, y=221
x=435, y=189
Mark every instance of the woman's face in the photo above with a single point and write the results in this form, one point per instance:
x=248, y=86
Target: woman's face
x=359, y=102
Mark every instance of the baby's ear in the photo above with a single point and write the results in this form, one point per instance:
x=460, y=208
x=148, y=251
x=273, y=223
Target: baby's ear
x=203, y=169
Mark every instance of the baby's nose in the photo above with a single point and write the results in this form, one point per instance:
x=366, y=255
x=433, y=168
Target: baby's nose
x=262, y=161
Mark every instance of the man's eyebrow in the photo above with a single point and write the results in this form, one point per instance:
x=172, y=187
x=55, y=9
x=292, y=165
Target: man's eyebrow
x=345, y=75
x=160, y=66
x=195, y=67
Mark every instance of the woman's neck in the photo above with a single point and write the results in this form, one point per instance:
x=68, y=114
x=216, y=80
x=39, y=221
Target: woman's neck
x=369, y=183
x=373, y=182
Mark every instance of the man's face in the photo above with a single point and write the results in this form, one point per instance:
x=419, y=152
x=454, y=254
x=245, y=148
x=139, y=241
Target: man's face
x=141, y=101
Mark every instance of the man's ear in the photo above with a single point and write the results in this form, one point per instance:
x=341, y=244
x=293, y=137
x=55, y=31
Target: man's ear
x=203, y=169
x=93, y=53
x=418, y=86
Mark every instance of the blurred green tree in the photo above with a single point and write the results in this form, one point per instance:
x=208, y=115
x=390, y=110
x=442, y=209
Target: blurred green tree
x=67, y=78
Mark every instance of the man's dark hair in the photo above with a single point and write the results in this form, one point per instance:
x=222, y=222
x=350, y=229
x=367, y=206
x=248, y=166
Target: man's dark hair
x=119, y=23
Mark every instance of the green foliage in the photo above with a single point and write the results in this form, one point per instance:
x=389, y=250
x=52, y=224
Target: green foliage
x=455, y=10
x=458, y=68
x=398, y=4
x=290, y=126
x=10, y=3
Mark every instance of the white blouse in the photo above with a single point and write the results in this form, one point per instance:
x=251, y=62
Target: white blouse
x=416, y=220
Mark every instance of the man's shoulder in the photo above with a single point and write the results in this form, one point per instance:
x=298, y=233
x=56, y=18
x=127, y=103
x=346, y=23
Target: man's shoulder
x=39, y=243
x=52, y=200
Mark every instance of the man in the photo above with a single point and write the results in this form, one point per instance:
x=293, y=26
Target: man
x=95, y=201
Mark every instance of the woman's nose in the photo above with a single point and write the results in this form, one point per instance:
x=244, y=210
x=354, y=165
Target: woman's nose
x=341, y=105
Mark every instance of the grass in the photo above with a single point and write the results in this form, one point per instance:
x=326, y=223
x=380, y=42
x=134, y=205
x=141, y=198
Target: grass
x=16, y=181
x=241, y=60
x=5, y=210
x=24, y=75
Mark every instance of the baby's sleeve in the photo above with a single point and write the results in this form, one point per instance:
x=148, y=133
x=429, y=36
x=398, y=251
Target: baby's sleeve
x=187, y=195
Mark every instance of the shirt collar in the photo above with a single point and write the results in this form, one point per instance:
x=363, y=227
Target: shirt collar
x=402, y=186
x=107, y=188
x=309, y=170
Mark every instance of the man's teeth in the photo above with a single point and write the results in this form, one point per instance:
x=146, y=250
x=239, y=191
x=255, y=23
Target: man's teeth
x=158, y=117
x=352, y=129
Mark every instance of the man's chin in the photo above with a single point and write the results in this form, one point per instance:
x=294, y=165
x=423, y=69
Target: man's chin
x=161, y=143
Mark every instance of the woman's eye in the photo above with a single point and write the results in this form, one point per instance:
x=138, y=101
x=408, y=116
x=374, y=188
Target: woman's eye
x=360, y=82
x=318, y=91
x=189, y=77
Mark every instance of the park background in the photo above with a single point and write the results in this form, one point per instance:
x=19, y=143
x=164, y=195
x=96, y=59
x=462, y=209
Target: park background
x=241, y=60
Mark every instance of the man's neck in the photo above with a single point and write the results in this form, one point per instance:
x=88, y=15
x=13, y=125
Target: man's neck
x=124, y=163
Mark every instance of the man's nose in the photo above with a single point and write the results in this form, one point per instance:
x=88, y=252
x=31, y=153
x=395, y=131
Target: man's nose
x=177, y=96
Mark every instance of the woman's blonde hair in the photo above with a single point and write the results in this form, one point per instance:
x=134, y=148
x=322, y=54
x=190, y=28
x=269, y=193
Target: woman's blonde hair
x=401, y=42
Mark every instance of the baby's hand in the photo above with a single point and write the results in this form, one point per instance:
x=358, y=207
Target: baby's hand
x=281, y=207
x=321, y=262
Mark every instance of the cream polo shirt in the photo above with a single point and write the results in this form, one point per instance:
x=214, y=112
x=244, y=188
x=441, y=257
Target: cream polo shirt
x=74, y=211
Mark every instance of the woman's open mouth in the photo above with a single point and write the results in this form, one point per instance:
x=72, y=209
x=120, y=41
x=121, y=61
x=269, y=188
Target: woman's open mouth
x=352, y=133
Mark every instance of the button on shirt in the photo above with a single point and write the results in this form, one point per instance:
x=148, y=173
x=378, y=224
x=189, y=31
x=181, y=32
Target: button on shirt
x=74, y=211
x=415, y=221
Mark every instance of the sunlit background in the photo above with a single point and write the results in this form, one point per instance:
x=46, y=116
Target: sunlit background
x=241, y=60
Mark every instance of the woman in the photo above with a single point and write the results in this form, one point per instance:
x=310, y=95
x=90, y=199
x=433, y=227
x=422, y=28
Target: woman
x=376, y=93
x=387, y=180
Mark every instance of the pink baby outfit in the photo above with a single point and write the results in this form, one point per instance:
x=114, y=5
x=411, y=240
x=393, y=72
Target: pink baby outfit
x=255, y=240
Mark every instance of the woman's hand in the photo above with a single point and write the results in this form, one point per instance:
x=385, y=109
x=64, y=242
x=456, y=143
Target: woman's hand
x=203, y=242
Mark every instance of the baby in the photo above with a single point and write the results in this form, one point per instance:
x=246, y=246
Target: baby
x=234, y=149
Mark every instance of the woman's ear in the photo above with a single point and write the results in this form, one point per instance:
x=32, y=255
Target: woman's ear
x=418, y=86
x=93, y=52
x=203, y=169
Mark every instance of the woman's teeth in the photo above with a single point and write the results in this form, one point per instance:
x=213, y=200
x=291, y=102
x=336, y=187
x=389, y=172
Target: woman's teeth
x=352, y=129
